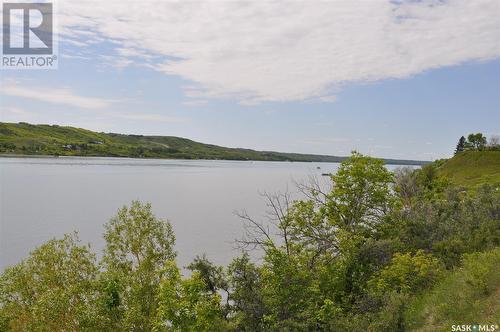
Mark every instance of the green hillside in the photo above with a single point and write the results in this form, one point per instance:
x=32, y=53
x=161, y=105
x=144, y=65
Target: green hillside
x=473, y=168
x=28, y=139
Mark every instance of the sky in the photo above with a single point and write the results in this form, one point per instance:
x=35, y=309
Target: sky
x=394, y=79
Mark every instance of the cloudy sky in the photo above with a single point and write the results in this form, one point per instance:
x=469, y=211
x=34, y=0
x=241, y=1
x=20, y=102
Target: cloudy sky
x=400, y=79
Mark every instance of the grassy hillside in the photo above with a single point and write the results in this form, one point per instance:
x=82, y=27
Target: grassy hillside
x=468, y=295
x=28, y=139
x=473, y=168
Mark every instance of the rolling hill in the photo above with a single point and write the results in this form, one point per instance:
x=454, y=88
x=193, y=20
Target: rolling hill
x=28, y=139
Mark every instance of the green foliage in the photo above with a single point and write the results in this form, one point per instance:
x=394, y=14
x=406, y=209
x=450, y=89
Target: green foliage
x=461, y=145
x=291, y=292
x=406, y=273
x=390, y=317
x=477, y=141
x=312, y=274
x=466, y=295
x=187, y=305
x=52, y=290
x=448, y=225
x=341, y=220
x=213, y=276
x=248, y=307
x=109, y=302
x=138, y=245
x=361, y=195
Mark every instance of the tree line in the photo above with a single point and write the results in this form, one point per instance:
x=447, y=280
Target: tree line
x=477, y=142
x=347, y=258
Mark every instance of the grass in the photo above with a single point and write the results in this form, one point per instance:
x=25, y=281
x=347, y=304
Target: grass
x=473, y=168
x=27, y=139
x=468, y=295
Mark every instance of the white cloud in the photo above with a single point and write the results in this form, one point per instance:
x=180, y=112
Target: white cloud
x=17, y=114
x=283, y=51
x=61, y=96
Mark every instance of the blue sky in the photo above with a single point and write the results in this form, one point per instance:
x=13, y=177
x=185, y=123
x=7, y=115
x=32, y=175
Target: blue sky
x=409, y=90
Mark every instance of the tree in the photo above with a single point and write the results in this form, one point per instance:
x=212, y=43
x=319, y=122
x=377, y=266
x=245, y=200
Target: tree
x=361, y=194
x=406, y=185
x=291, y=291
x=313, y=265
x=138, y=245
x=187, y=304
x=52, y=290
x=212, y=275
x=477, y=141
x=248, y=307
x=360, y=199
x=461, y=145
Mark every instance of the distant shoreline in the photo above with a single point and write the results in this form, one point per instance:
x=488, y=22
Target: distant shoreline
x=402, y=162
x=27, y=140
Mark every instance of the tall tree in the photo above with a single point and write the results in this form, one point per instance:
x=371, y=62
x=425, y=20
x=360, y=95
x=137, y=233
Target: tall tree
x=461, y=145
x=477, y=141
x=138, y=247
x=245, y=279
x=212, y=275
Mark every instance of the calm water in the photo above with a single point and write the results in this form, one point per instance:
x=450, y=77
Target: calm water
x=42, y=198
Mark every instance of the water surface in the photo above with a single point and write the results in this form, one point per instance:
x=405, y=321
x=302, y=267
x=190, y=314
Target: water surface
x=43, y=198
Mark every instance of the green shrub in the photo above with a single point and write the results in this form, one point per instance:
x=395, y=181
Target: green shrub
x=467, y=294
x=406, y=273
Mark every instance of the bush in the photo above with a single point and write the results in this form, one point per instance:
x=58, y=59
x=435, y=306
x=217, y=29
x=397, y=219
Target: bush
x=407, y=274
x=52, y=290
x=467, y=294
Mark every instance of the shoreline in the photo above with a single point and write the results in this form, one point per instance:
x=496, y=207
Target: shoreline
x=393, y=162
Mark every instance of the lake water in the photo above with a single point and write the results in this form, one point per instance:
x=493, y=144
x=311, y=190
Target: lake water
x=43, y=198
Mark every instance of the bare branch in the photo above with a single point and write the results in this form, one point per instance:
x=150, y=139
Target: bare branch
x=256, y=234
x=313, y=190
